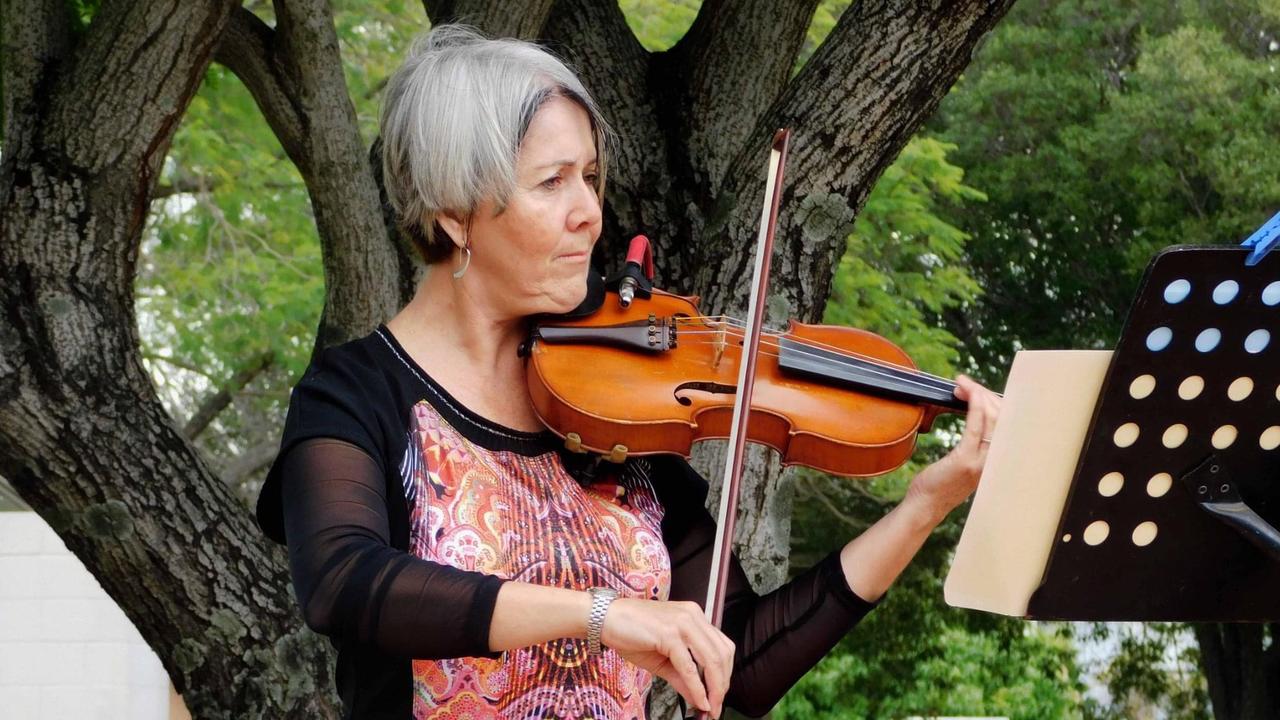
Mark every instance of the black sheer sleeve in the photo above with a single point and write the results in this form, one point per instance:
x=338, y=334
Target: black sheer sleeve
x=351, y=584
x=779, y=636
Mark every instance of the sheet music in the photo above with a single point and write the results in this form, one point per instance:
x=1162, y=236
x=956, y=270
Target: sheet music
x=1048, y=404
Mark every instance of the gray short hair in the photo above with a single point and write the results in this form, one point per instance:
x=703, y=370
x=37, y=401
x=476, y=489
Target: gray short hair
x=453, y=117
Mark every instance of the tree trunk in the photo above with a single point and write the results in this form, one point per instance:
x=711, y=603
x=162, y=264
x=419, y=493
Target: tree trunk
x=89, y=117
x=1239, y=662
x=83, y=437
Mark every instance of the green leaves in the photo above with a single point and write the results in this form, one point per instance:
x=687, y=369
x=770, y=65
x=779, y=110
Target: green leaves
x=903, y=266
x=1103, y=132
x=659, y=25
x=1026, y=678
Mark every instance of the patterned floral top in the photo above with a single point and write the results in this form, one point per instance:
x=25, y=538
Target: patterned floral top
x=524, y=518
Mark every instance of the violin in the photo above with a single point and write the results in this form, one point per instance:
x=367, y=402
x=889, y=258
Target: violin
x=657, y=376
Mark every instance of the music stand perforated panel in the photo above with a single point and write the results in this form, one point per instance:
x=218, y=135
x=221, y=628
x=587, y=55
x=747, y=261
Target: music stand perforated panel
x=1196, y=568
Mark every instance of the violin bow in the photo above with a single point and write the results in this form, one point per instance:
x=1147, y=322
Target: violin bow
x=746, y=383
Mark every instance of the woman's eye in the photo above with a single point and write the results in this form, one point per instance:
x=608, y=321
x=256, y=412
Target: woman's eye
x=551, y=182
x=592, y=179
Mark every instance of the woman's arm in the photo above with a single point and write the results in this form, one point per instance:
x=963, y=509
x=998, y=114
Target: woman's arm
x=782, y=634
x=672, y=640
x=874, y=559
x=350, y=582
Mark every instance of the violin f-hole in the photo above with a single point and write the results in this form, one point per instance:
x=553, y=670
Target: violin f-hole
x=711, y=387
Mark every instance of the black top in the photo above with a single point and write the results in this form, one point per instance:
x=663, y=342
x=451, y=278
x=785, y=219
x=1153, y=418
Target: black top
x=337, y=493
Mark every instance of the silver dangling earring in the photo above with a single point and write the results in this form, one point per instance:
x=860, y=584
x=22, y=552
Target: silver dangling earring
x=466, y=261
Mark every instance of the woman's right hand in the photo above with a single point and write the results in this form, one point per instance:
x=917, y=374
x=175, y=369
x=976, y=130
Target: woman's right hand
x=673, y=640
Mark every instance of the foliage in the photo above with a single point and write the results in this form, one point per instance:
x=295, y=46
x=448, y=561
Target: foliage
x=974, y=674
x=1155, y=665
x=658, y=24
x=904, y=262
x=903, y=267
x=1102, y=132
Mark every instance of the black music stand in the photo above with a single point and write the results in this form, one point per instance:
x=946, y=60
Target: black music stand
x=1177, y=521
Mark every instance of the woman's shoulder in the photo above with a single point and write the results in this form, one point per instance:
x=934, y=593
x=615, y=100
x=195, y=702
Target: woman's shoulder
x=364, y=373
x=364, y=357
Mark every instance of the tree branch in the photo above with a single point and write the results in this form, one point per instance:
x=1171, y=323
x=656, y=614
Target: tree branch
x=156, y=357
x=83, y=437
x=250, y=462
x=246, y=48
x=868, y=88
x=411, y=267
x=186, y=184
x=496, y=18
x=141, y=62
x=218, y=400
x=725, y=73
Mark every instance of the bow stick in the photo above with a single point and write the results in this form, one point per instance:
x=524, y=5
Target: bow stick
x=746, y=383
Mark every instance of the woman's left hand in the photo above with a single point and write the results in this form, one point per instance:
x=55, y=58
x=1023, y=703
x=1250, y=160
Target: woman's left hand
x=939, y=488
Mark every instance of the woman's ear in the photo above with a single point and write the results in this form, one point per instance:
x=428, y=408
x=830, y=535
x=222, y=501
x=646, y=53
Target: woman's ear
x=454, y=226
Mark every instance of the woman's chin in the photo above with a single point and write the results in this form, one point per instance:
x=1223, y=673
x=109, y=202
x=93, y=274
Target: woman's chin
x=561, y=299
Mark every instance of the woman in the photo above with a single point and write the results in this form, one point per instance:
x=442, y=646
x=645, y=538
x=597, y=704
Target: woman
x=461, y=562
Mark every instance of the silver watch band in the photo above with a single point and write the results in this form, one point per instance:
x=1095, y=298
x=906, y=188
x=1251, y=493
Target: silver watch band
x=600, y=600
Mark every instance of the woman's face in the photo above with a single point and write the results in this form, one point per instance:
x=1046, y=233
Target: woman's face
x=534, y=256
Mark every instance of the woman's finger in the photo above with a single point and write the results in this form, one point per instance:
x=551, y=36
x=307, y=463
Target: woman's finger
x=991, y=415
x=716, y=664
x=687, y=670
x=975, y=423
x=673, y=677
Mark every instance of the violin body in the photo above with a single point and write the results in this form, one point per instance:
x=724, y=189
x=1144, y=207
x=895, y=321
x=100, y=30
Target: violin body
x=607, y=393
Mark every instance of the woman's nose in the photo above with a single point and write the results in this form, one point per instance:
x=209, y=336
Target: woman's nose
x=586, y=210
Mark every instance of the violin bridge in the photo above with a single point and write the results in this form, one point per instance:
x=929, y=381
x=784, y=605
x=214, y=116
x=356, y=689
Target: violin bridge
x=719, y=343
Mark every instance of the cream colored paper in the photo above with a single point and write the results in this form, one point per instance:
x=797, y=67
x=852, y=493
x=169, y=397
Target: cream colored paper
x=1048, y=403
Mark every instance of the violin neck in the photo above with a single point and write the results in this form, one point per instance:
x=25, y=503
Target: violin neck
x=880, y=379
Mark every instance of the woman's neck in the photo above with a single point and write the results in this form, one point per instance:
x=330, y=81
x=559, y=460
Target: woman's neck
x=447, y=315
x=469, y=347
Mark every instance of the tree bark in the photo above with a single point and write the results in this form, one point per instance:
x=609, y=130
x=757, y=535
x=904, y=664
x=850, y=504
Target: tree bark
x=83, y=437
x=497, y=18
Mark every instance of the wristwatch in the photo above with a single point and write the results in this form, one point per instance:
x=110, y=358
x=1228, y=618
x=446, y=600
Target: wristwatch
x=600, y=600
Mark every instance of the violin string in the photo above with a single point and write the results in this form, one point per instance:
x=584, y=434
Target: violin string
x=732, y=322
x=876, y=370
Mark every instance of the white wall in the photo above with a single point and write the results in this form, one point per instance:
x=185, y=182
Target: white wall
x=66, y=649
